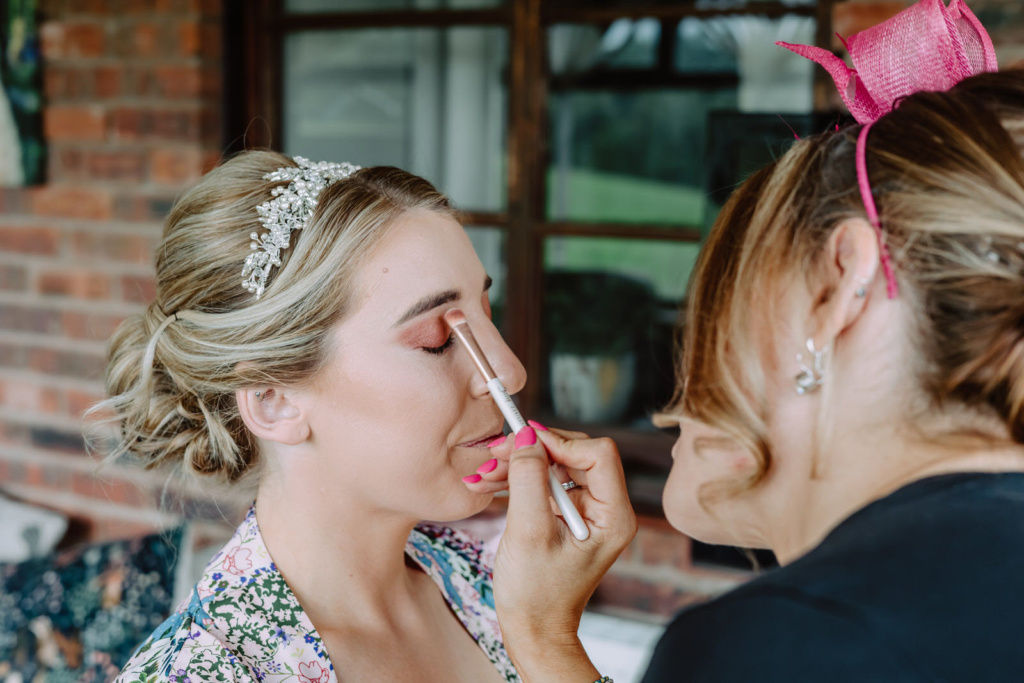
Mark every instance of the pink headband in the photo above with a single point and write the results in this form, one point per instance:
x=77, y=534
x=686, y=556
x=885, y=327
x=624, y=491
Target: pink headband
x=925, y=48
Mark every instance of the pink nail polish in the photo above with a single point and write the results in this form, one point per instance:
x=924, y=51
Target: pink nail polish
x=488, y=466
x=472, y=479
x=537, y=425
x=497, y=442
x=526, y=437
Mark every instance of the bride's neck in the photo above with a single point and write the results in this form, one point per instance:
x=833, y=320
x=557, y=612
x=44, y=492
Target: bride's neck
x=344, y=561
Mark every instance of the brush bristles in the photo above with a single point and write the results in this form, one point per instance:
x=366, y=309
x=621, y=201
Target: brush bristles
x=455, y=317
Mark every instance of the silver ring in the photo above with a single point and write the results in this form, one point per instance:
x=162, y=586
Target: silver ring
x=569, y=485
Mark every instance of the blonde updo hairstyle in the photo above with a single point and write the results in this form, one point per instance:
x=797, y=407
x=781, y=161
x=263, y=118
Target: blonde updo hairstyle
x=172, y=381
x=947, y=173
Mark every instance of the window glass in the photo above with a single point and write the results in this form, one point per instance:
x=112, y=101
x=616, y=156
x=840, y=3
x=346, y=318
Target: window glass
x=610, y=307
x=431, y=101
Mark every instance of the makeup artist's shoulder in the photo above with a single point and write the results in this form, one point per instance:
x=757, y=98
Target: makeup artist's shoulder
x=774, y=634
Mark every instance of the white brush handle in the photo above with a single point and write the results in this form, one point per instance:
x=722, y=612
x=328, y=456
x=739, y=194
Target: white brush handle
x=515, y=420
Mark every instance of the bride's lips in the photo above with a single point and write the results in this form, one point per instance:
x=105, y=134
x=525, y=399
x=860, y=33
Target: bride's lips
x=483, y=441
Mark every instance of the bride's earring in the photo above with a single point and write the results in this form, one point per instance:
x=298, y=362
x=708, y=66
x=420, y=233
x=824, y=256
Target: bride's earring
x=811, y=376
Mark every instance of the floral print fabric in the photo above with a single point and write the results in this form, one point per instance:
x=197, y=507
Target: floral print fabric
x=77, y=615
x=243, y=623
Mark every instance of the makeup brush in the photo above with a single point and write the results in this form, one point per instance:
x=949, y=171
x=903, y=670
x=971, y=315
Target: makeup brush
x=456, y=320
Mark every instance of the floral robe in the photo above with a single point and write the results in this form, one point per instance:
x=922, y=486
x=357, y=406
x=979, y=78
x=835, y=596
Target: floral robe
x=243, y=623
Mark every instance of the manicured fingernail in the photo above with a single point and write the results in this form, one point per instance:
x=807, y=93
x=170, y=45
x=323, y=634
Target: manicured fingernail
x=537, y=425
x=526, y=437
x=488, y=466
x=497, y=442
x=472, y=479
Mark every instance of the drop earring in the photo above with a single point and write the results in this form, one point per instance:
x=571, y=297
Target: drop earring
x=811, y=377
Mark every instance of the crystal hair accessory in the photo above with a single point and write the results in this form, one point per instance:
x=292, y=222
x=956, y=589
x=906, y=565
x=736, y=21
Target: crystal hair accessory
x=928, y=47
x=290, y=209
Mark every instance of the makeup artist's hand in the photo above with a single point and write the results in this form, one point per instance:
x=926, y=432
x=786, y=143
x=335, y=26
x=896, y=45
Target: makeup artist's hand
x=543, y=576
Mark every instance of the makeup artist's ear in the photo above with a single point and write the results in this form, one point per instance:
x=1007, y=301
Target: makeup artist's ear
x=851, y=270
x=270, y=413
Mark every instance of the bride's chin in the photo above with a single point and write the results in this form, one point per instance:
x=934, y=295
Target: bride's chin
x=467, y=506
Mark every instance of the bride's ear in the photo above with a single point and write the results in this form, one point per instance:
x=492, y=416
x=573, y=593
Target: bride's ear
x=271, y=413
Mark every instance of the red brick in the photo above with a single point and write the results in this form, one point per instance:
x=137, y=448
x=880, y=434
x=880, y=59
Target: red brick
x=138, y=288
x=123, y=248
x=139, y=6
x=141, y=208
x=144, y=40
x=93, y=326
x=68, y=201
x=106, y=529
x=77, y=123
x=175, y=166
x=107, y=81
x=77, y=284
x=68, y=363
x=13, y=278
x=208, y=8
x=54, y=82
x=116, y=165
x=180, y=82
x=14, y=432
x=663, y=547
x=210, y=37
x=132, y=124
x=14, y=355
x=61, y=40
x=139, y=81
x=28, y=239
x=90, y=7
x=80, y=401
x=28, y=319
x=30, y=397
x=66, y=163
x=190, y=38
x=50, y=9
x=653, y=598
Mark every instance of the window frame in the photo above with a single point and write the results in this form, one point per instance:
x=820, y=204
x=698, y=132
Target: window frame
x=254, y=36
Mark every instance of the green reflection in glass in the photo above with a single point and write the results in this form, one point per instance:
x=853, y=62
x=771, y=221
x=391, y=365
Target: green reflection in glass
x=664, y=266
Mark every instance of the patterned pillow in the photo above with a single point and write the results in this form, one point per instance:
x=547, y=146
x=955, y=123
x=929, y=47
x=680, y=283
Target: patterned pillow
x=78, y=615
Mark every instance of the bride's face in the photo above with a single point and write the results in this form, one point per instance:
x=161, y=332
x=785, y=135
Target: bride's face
x=399, y=415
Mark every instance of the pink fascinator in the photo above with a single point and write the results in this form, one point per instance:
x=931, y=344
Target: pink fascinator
x=926, y=48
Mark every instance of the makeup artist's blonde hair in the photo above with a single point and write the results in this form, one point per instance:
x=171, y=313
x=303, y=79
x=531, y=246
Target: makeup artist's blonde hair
x=179, y=406
x=947, y=173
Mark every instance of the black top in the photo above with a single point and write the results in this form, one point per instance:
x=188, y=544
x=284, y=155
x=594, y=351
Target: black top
x=926, y=584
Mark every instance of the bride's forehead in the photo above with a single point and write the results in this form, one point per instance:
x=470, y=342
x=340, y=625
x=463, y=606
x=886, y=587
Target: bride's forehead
x=422, y=254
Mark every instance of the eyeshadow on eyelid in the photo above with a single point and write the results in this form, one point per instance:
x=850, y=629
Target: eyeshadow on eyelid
x=430, y=334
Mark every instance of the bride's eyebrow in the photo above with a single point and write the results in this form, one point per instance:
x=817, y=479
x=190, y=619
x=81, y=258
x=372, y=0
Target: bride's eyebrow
x=432, y=301
x=429, y=303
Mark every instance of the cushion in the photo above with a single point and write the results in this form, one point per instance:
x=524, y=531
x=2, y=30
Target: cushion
x=28, y=531
x=78, y=615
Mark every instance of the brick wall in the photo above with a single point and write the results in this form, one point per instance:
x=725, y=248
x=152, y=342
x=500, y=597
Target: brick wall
x=133, y=92
x=132, y=115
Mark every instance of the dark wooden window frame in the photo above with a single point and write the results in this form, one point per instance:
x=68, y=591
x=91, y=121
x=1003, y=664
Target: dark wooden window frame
x=254, y=33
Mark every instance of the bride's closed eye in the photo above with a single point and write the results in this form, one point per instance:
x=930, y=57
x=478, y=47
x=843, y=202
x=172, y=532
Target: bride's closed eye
x=438, y=350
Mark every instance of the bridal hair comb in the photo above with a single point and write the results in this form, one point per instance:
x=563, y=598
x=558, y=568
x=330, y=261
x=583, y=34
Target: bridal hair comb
x=926, y=48
x=290, y=209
